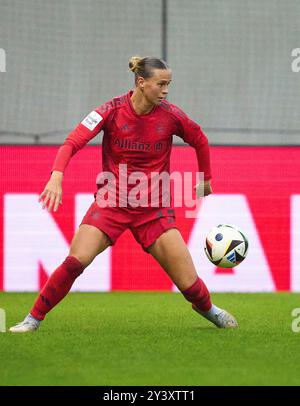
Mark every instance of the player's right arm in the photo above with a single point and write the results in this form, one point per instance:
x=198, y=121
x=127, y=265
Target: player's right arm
x=89, y=127
x=53, y=191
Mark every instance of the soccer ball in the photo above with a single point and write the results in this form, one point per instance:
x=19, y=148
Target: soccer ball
x=226, y=246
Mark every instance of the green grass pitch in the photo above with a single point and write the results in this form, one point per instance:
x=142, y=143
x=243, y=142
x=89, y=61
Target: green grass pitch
x=151, y=338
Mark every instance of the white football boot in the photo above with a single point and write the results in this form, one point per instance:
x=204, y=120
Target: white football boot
x=222, y=319
x=26, y=326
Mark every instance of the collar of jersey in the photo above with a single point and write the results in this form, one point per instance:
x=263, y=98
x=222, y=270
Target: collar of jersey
x=129, y=94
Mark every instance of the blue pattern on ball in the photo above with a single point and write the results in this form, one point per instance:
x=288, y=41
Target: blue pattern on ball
x=219, y=237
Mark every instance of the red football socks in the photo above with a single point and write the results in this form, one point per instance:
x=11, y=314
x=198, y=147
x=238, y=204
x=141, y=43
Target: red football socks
x=56, y=287
x=198, y=294
x=62, y=279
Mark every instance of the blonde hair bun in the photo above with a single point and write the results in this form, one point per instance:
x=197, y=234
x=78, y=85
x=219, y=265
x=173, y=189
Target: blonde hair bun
x=134, y=62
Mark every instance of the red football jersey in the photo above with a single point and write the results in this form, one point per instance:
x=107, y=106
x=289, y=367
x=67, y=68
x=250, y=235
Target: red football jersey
x=140, y=143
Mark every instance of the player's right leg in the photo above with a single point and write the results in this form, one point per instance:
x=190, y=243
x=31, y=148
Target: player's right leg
x=88, y=242
x=172, y=254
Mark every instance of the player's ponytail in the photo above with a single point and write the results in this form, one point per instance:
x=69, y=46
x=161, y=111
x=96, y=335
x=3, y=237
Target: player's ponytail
x=134, y=62
x=143, y=66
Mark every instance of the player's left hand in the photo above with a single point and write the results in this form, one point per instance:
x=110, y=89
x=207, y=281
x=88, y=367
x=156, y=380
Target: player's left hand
x=203, y=189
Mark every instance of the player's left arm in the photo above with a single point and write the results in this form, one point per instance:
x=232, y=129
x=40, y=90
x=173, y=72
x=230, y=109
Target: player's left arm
x=193, y=134
x=204, y=189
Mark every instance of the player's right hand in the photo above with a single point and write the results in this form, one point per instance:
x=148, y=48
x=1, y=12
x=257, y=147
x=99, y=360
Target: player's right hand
x=52, y=194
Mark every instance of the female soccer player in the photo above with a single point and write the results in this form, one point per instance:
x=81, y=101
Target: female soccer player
x=138, y=129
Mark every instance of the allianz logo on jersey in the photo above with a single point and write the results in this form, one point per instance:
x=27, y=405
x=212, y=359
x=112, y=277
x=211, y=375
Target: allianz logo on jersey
x=139, y=146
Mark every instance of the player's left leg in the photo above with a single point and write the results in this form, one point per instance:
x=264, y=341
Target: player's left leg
x=172, y=254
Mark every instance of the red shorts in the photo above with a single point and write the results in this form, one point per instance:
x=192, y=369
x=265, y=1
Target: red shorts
x=146, y=227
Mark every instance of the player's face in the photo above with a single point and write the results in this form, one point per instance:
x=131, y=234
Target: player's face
x=155, y=88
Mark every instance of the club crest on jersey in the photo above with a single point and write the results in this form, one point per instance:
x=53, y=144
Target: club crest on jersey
x=160, y=129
